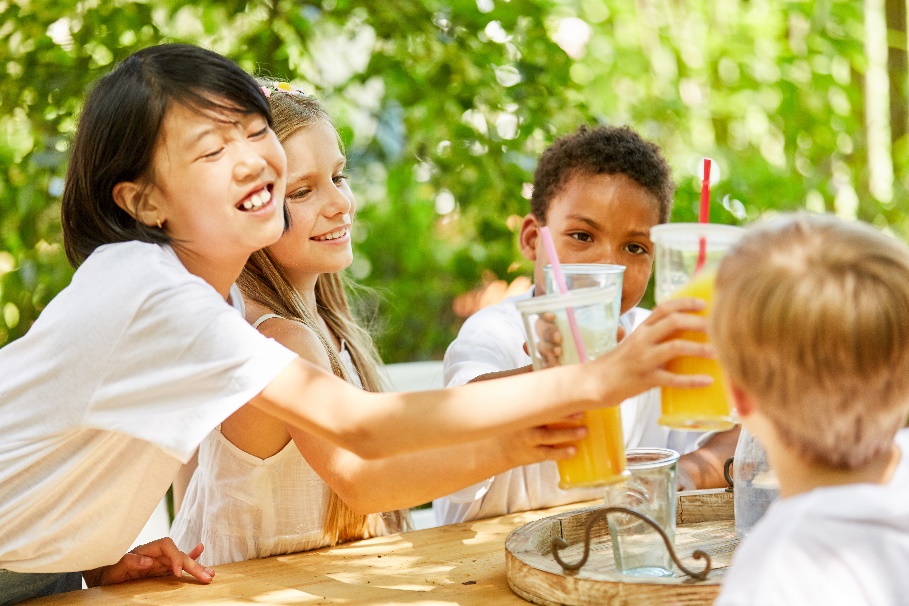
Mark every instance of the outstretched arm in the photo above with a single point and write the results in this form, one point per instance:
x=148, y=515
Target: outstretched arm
x=381, y=425
x=372, y=486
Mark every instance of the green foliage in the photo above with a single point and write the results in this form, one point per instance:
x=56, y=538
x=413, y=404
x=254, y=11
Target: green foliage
x=445, y=107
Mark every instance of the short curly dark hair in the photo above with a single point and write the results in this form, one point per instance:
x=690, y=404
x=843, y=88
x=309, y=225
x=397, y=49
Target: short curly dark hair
x=602, y=150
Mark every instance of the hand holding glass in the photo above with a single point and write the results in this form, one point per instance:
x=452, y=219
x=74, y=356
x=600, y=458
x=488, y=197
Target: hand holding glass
x=680, y=273
x=601, y=455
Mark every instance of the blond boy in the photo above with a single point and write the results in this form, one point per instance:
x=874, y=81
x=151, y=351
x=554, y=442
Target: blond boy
x=811, y=324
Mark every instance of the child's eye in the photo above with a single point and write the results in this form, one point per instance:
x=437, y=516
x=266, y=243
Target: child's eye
x=636, y=249
x=337, y=179
x=299, y=194
x=212, y=155
x=582, y=237
x=259, y=133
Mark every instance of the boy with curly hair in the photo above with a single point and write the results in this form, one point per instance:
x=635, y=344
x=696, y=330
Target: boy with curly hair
x=599, y=190
x=810, y=326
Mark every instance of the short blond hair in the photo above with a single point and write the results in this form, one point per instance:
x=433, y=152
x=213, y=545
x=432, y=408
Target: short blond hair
x=811, y=318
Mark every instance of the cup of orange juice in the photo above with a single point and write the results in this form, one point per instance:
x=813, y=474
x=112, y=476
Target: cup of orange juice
x=591, y=315
x=687, y=257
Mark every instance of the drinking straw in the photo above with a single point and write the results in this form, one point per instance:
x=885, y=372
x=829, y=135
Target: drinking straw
x=704, y=215
x=563, y=289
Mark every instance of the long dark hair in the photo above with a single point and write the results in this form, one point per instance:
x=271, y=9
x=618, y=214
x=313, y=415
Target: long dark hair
x=119, y=128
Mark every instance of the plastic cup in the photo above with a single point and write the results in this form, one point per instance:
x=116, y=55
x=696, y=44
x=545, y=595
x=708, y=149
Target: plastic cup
x=601, y=455
x=651, y=490
x=677, y=275
x=587, y=275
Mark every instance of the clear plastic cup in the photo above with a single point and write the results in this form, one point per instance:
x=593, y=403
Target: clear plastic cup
x=587, y=275
x=651, y=490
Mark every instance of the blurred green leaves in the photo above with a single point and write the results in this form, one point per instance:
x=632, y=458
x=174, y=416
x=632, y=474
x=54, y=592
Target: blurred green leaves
x=445, y=106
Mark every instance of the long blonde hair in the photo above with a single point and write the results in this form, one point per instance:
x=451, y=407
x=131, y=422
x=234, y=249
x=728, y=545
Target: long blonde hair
x=263, y=281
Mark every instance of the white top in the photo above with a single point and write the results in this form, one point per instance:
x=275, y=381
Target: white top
x=112, y=389
x=492, y=340
x=841, y=545
x=242, y=507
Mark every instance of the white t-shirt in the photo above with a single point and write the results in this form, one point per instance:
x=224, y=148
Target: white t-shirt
x=492, y=340
x=110, y=391
x=840, y=545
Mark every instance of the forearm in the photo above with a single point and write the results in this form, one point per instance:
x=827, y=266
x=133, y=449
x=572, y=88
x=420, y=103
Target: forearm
x=382, y=425
x=371, y=486
x=704, y=466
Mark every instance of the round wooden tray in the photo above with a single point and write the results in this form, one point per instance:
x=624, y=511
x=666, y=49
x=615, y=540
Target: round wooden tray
x=704, y=520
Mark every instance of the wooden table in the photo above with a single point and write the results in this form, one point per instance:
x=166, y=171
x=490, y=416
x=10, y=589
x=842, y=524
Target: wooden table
x=457, y=564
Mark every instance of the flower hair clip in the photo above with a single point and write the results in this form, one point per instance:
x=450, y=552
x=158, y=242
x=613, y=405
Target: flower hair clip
x=281, y=87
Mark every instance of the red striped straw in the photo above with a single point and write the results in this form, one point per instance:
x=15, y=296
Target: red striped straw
x=563, y=289
x=704, y=215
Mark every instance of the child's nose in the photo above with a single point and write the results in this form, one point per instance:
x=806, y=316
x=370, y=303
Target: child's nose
x=338, y=203
x=610, y=258
x=250, y=163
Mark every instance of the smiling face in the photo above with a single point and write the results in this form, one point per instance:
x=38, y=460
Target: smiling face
x=218, y=179
x=603, y=218
x=320, y=204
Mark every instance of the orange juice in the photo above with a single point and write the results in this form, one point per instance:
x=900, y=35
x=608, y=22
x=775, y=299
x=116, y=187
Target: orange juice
x=699, y=408
x=601, y=455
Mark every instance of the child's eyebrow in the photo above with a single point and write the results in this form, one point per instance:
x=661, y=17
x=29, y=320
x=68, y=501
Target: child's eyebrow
x=293, y=178
x=585, y=219
x=639, y=234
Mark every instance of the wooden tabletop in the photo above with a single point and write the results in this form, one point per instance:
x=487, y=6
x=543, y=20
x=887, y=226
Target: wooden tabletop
x=457, y=564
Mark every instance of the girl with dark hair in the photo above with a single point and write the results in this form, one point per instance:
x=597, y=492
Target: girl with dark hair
x=176, y=178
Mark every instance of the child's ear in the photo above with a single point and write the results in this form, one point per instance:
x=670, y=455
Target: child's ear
x=131, y=197
x=530, y=233
x=744, y=404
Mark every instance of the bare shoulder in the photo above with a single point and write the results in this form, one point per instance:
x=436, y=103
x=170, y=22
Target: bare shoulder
x=250, y=428
x=293, y=335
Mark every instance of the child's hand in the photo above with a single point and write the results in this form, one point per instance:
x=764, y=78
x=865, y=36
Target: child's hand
x=548, y=340
x=638, y=363
x=544, y=442
x=156, y=559
x=549, y=344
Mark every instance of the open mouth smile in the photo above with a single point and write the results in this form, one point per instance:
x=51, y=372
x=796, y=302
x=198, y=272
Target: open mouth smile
x=256, y=200
x=333, y=235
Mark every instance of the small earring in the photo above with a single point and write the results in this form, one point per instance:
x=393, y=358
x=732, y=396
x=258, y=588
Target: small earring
x=159, y=224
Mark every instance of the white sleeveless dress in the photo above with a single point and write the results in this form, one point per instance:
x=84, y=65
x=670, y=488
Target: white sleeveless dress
x=242, y=507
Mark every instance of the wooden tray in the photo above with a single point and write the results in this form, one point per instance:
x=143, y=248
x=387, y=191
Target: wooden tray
x=704, y=520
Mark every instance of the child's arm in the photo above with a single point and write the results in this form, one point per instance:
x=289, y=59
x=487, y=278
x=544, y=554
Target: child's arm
x=396, y=482
x=380, y=425
x=372, y=486
x=703, y=468
x=156, y=559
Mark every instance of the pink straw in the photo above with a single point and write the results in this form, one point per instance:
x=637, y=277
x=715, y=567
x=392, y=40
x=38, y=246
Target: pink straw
x=563, y=289
x=704, y=215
